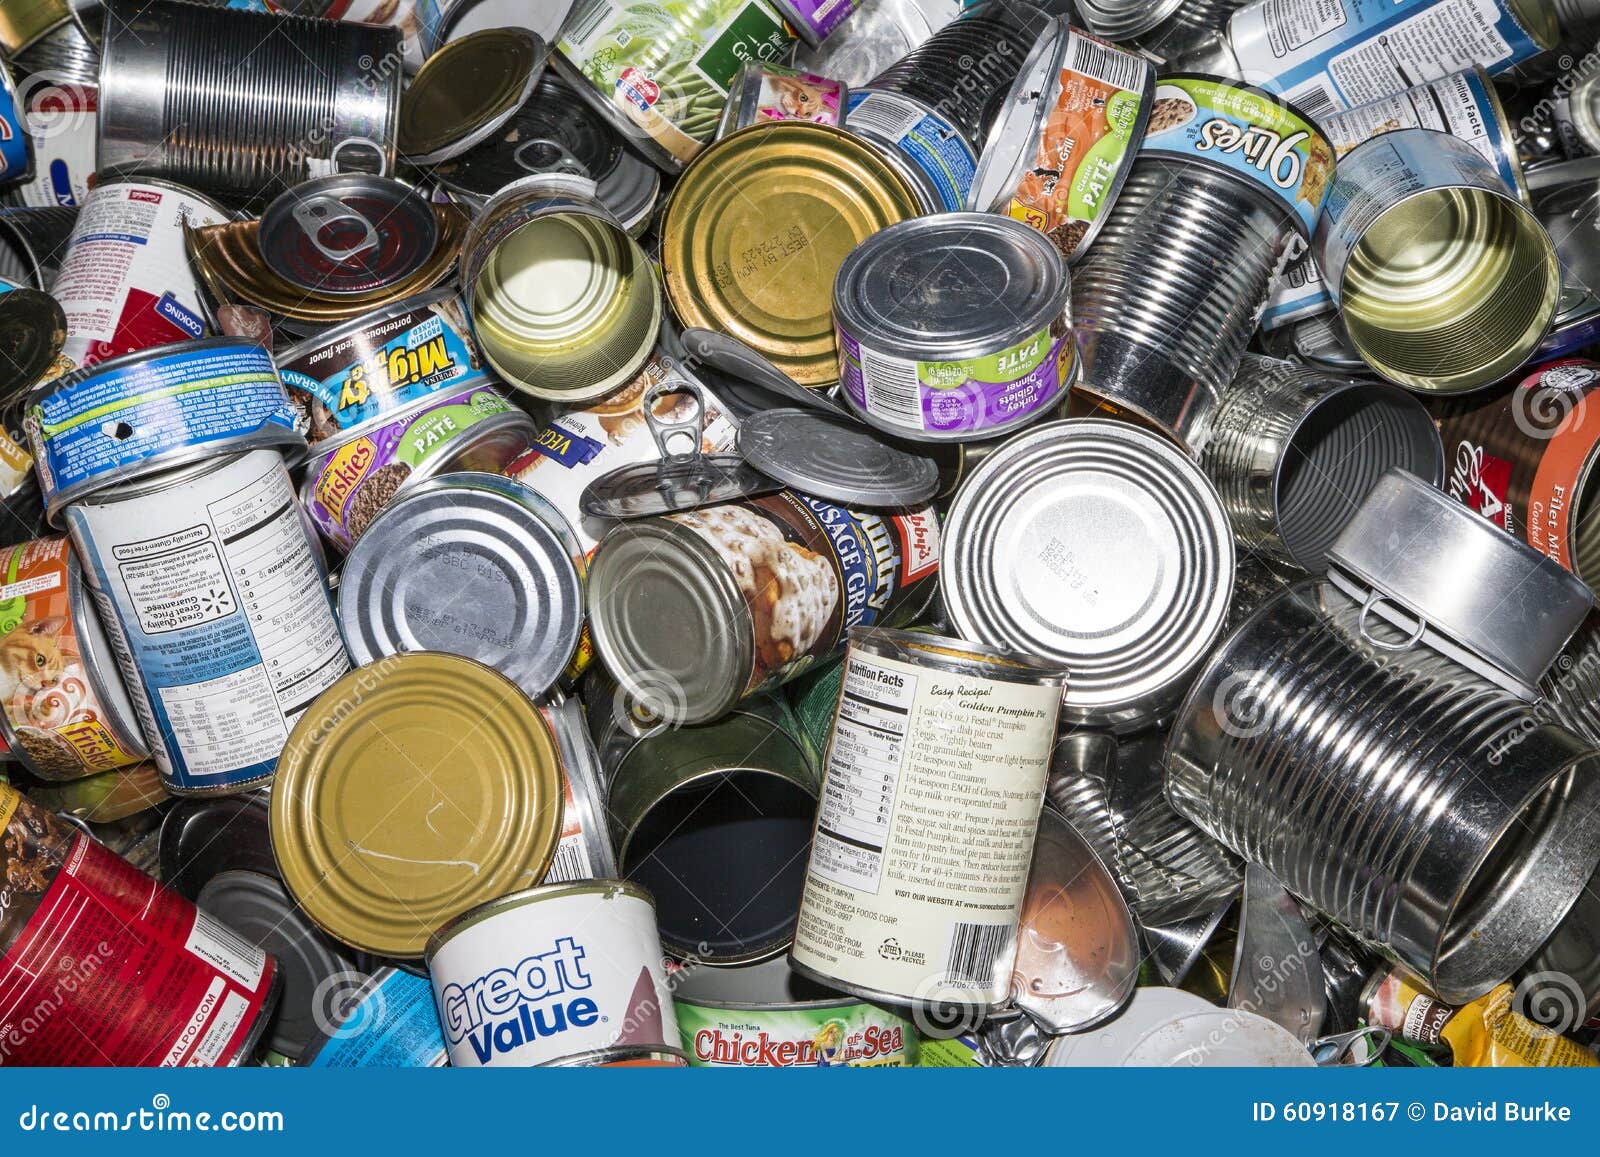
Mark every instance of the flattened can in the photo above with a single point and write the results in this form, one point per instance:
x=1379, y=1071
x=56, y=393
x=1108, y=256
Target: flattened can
x=216, y=604
x=549, y=973
x=920, y=144
x=892, y=911
x=954, y=327
x=386, y=1020
x=125, y=282
x=770, y=92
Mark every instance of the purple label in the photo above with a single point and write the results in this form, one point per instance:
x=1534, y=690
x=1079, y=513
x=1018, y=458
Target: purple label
x=820, y=16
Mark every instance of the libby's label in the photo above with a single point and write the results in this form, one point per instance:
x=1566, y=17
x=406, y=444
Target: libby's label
x=852, y=1035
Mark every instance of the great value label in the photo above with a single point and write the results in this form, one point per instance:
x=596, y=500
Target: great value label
x=853, y=1035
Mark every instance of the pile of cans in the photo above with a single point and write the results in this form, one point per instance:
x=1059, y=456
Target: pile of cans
x=787, y=533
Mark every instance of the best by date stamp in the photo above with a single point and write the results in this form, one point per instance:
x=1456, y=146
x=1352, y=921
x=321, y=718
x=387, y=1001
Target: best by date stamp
x=1417, y=1112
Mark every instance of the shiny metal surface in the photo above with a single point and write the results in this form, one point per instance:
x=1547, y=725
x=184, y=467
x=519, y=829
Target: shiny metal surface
x=1277, y=970
x=1127, y=19
x=835, y=458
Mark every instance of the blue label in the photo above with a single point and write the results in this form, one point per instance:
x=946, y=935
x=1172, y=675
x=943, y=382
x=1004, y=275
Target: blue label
x=16, y=149
x=393, y=1024
x=936, y=147
x=569, y=449
x=170, y=308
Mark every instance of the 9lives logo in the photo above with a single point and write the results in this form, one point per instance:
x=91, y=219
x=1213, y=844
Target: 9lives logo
x=507, y=1008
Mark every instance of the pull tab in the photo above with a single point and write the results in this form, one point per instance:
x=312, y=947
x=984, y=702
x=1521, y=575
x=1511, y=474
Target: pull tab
x=373, y=164
x=1334, y=1051
x=317, y=213
x=543, y=155
x=677, y=439
x=1373, y=600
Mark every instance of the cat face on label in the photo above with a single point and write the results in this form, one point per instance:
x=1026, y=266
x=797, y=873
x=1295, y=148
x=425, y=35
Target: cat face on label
x=30, y=656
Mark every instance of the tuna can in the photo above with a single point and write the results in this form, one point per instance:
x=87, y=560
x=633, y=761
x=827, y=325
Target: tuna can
x=715, y=822
x=419, y=787
x=61, y=119
x=1225, y=192
x=954, y=327
x=1445, y=281
x=99, y=965
x=754, y=234
x=764, y=1016
x=150, y=412
x=768, y=92
x=662, y=74
x=386, y=1020
x=892, y=912
x=348, y=235
x=1295, y=449
x=33, y=244
x=214, y=598
x=350, y=480
x=125, y=281
x=1101, y=547
x=693, y=612
x=928, y=152
x=1060, y=152
x=815, y=20
x=243, y=105
x=468, y=564
x=563, y=302
x=1195, y=27
x=543, y=975
x=63, y=707
x=25, y=21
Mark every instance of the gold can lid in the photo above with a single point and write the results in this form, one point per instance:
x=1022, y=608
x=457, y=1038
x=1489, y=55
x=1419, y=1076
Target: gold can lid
x=466, y=91
x=412, y=790
x=758, y=226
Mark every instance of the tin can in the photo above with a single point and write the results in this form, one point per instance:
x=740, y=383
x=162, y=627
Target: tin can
x=1167, y=33
x=202, y=837
x=467, y=91
x=215, y=601
x=33, y=244
x=761, y=268
x=875, y=36
x=1445, y=281
x=815, y=20
x=768, y=92
x=67, y=52
x=575, y=968
x=150, y=412
x=889, y=913
x=925, y=149
x=63, y=707
x=1318, y=341
x=25, y=21
x=16, y=142
x=662, y=80
x=954, y=327
x=693, y=612
x=1153, y=567
x=243, y=105
x=585, y=851
x=106, y=797
x=1060, y=152
x=455, y=19
x=564, y=303
x=154, y=981
x=714, y=821
x=351, y=235
x=60, y=117
x=1169, y=1027
x=125, y=281
x=386, y=1020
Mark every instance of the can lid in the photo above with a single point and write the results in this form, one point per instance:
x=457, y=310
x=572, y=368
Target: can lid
x=466, y=91
x=347, y=234
x=732, y=357
x=646, y=489
x=553, y=131
x=410, y=791
x=470, y=564
x=1124, y=19
x=33, y=330
x=835, y=458
x=1015, y=133
x=1434, y=568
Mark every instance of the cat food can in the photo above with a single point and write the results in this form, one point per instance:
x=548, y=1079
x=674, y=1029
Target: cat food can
x=919, y=142
x=65, y=711
x=549, y=973
x=1060, y=152
x=386, y=1020
x=769, y=92
x=150, y=412
x=213, y=594
x=815, y=20
x=349, y=482
x=693, y=612
x=954, y=327
x=101, y=965
x=125, y=282
x=662, y=72
x=891, y=912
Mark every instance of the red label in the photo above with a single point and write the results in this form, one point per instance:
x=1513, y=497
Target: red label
x=140, y=327
x=113, y=968
x=149, y=195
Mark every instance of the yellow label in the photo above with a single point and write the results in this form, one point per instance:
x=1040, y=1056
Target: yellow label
x=342, y=473
x=10, y=797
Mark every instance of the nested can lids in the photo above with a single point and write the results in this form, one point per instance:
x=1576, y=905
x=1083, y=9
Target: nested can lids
x=348, y=234
x=470, y=564
x=466, y=91
x=835, y=458
x=412, y=790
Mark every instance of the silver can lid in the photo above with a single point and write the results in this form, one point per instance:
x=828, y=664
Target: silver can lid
x=1102, y=546
x=1431, y=566
x=835, y=458
x=470, y=564
x=348, y=234
x=733, y=357
x=1124, y=19
x=1014, y=135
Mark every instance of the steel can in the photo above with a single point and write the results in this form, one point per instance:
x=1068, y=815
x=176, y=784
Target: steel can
x=693, y=612
x=454, y=19
x=25, y=21
x=892, y=911
x=920, y=144
x=662, y=74
x=546, y=974
x=954, y=327
x=66, y=51
x=386, y=1020
x=61, y=118
x=214, y=598
x=768, y=92
x=1445, y=281
x=63, y=707
x=33, y=244
x=875, y=36
x=585, y=851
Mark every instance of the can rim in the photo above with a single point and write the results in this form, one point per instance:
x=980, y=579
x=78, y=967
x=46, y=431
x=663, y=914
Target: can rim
x=487, y=125
x=524, y=897
x=957, y=656
x=597, y=100
x=337, y=333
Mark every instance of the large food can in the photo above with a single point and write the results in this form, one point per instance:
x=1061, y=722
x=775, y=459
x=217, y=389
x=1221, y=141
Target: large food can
x=102, y=966
x=125, y=282
x=662, y=72
x=954, y=327
x=919, y=143
x=1445, y=281
x=550, y=973
x=914, y=890
x=214, y=597
x=693, y=612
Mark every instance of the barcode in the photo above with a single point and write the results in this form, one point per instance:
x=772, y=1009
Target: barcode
x=1101, y=61
x=571, y=862
x=1317, y=102
x=892, y=387
x=878, y=114
x=581, y=25
x=213, y=941
x=974, y=948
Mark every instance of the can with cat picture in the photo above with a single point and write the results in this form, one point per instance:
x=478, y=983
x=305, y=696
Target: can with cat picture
x=762, y=93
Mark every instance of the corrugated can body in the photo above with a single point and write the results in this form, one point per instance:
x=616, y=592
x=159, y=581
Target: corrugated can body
x=550, y=973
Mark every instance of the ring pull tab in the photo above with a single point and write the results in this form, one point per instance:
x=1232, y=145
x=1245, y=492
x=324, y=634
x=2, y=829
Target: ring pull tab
x=678, y=439
x=1374, y=598
x=373, y=164
x=318, y=213
x=544, y=155
x=1340, y=1049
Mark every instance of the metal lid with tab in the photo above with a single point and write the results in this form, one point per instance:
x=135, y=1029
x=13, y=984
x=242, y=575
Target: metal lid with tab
x=348, y=234
x=836, y=458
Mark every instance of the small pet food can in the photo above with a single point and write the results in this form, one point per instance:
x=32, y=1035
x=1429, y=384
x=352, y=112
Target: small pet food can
x=815, y=20
x=930, y=802
x=919, y=142
x=769, y=92
x=386, y=1020
x=546, y=974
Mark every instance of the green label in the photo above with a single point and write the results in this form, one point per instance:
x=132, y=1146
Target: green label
x=750, y=36
x=853, y=1035
x=1008, y=365
x=440, y=427
x=955, y=1053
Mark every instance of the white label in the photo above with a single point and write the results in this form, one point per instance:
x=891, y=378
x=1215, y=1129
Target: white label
x=217, y=944
x=220, y=1031
x=30, y=586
